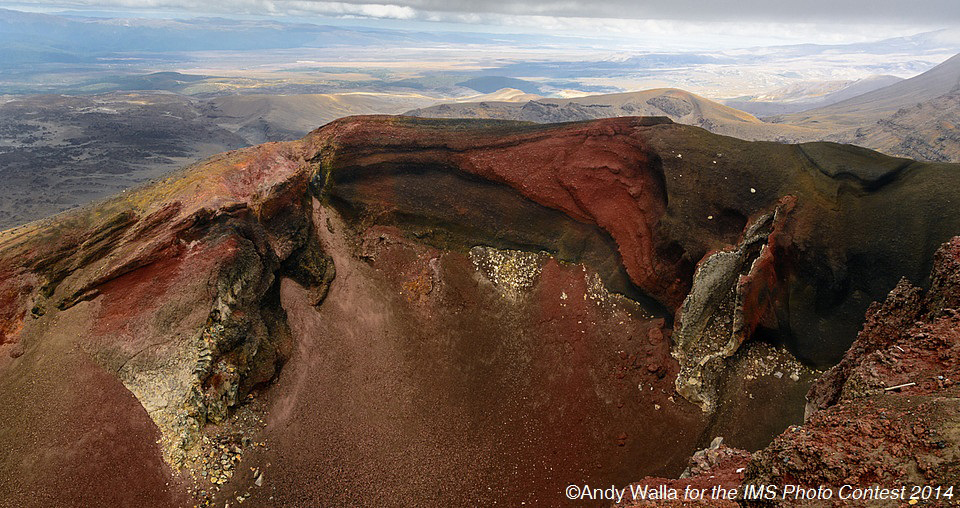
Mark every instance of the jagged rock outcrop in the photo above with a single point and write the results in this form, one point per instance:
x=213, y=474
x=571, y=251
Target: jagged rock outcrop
x=733, y=292
x=888, y=411
x=172, y=290
x=885, y=416
x=392, y=297
x=715, y=467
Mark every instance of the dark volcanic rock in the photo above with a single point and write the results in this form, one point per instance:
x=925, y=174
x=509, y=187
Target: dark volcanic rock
x=433, y=311
x=60, y=152
x=862, y=429
x=886, y=415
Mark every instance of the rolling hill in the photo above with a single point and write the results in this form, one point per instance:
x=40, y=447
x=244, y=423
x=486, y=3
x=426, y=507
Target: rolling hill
x=678, y=105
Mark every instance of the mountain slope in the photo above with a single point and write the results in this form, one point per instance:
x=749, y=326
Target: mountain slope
x=261, y=118
x=678, y=105
x=915, y=118
x=926, y=131
x=806, y=96
x=878, y=104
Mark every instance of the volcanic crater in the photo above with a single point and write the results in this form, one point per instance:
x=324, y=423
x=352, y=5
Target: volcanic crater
x=409, y=312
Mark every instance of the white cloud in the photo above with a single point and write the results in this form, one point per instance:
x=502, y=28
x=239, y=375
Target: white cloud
x=387, y=11
x=786, y=11
x=703, y=25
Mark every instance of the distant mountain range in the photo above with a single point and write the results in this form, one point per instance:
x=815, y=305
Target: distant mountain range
x=808, y=95
x=881, y=103
x=61, y=152
x=915, y=118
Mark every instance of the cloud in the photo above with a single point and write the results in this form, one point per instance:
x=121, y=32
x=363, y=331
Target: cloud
x=681, y=23
x=785, y=11
x=936, y=12
x=371, y=10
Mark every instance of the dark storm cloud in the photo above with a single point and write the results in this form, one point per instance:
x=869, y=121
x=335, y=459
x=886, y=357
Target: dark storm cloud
x=846, y=11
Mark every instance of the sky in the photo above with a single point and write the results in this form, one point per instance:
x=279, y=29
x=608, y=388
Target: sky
x=728, y=22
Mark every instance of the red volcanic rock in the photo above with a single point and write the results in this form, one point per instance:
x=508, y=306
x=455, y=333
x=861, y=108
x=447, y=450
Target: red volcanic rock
x=599, y=172
x=716, y=471
x=14, y=301
x=888, y=411
x=913, y=326
x=761, y=290
x=603, y=175
x=887, y=324
x=157, y=294
x=945, y=281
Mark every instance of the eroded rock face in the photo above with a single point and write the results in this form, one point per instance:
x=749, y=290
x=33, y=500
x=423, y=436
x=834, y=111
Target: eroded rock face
x=391, y=297
x=173, y=290
x=733, y=292
x=886, y=415
x=860, y=428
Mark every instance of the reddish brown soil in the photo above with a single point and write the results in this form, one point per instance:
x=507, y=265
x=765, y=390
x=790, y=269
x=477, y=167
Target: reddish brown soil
x=78, y=437
x=71, y=433
x=403, y=374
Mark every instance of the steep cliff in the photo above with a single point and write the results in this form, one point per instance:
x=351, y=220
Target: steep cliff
x=885, y=416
